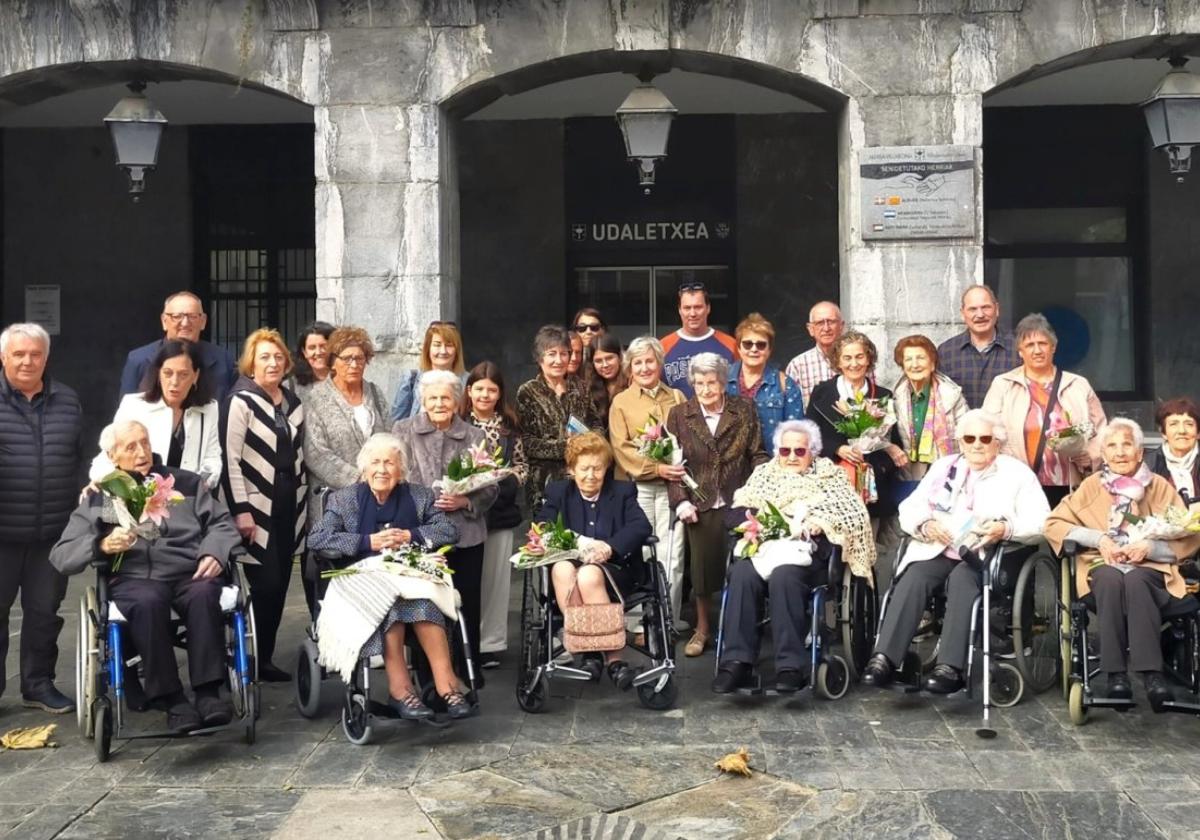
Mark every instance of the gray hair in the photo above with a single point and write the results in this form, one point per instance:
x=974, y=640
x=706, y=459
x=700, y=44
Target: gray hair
x=34, y=331
x=1123, y=423
x=640, y=346
x=381, y=440
x=547, y=337
x=433, y=378
x=1035, y=322
x=978, y=414
x=804, y=427
x=115, y=430
x=704, y=363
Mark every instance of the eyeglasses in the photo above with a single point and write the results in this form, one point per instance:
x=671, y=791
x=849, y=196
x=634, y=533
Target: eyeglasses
x=582, y=328
x=180, y=317
x=750, y=344
x=825, y=322
x=353, y=360
x=984, y=439
x=786, y=451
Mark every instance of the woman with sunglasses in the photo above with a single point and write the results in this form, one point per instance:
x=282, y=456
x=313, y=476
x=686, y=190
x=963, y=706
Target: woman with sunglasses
x=964, y=504
x=815, y=496
x=589, y=326
x=776, y=396
x=928, y=406
x=441, y=349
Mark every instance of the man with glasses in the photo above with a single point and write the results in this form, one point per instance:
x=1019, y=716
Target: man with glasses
x=812, y=367
x=979, y=354
x=693, y=338
x=183, y=319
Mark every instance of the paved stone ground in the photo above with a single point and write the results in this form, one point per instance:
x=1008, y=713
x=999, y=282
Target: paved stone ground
x=595, y=764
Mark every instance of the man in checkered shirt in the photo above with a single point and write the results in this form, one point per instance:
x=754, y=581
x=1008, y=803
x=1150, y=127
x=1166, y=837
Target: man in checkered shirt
x=976, y=356
x=812, y=367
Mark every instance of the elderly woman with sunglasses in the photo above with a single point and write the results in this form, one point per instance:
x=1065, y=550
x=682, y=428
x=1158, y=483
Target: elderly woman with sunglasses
x=775, y=394
x=965, y=503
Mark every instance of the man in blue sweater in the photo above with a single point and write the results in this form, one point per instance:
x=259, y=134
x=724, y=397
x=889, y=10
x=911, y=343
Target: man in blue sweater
x=693, y=338
x=183, y=318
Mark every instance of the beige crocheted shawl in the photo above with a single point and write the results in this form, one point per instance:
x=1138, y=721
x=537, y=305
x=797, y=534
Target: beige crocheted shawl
x=832, y=504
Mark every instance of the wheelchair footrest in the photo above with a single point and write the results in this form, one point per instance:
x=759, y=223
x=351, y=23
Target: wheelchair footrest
x=1185, y=707
x=1108, y=702
x=567, y=672
x=652, y=675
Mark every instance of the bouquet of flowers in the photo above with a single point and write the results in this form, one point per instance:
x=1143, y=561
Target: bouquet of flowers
x=1071, y=439
x=761, y=527
x=866, y=423
x=410, y=560
x=140, y=508
x=1173, y=524
x=473, y=470
x=659, y=445
x=546, y=543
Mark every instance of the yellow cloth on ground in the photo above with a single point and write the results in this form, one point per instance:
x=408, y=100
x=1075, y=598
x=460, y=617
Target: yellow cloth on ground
x=29, y=737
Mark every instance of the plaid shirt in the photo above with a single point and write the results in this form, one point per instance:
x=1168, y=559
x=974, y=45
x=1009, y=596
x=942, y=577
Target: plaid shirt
x=973, y=369
x=810, y=369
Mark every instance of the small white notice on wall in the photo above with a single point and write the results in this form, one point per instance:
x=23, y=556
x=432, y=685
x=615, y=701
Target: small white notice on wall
x=43, y=306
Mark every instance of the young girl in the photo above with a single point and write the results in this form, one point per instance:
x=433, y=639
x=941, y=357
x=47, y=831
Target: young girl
x=485, y=405
x=604, y=376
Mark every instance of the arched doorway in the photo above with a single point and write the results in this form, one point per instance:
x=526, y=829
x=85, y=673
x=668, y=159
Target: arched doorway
x=228, y=213
x=551, y=216
x=1084, y=222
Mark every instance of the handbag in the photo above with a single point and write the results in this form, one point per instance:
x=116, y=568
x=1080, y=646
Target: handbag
x=589, y=628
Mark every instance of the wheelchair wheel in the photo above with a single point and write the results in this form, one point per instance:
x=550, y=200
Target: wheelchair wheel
x=531, y=698
x=87, y=663
x=532, y=690
x=833, y=678
x=1007, y=685
x=250, y=721
x=356, y=720
x=1075, y=706
x=308, y=680
x=859, y=616
x=102, y=715
x=1035, y=633
x=660, y=700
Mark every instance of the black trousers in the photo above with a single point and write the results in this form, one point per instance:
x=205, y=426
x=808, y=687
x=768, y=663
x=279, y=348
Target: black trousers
x=789, y=589
x=26, y=566
x=467, y=564
x=1129, y=611
x=269, y=581
x=146, y=605
x=910, y=596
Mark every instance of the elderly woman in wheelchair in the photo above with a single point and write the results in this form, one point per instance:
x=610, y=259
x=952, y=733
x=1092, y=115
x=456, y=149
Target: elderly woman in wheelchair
x=1128, y=564
x=181, y=567
x=379, y=512
x=965, y=503
x=823, y=510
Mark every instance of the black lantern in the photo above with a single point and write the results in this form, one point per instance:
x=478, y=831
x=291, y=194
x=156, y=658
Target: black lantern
x=645, y=119
x=137, y=128
x=1173, y=116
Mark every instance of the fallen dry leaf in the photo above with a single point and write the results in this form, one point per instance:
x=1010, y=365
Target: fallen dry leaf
x=29, y=738
x=735, y=762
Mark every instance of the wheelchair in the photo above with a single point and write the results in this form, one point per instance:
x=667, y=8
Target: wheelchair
x=1180, y=641
x=1017, y=611
x=361, y=714
x=851, y=620
x=656, y=686
x=100, y=663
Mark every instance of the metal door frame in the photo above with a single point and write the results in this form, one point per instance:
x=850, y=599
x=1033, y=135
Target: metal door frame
x=653, y=269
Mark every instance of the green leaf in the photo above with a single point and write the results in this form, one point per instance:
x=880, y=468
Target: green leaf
x=118, y=483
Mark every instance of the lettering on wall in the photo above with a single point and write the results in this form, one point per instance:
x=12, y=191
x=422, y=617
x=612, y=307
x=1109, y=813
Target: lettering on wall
x=624, y=233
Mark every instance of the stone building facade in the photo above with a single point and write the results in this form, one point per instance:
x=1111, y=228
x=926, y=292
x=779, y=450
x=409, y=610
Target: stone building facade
x=391, y=86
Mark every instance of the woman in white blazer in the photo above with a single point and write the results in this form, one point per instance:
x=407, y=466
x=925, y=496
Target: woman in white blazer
x=175, y=408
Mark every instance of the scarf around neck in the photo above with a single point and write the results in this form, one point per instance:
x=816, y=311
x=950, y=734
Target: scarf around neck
x=1125, y=490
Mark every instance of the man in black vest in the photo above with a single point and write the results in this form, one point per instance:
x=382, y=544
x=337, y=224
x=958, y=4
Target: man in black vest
x=183, y=319
x=41, y=428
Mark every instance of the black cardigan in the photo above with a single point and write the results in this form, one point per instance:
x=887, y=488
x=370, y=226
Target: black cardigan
x=620, y=521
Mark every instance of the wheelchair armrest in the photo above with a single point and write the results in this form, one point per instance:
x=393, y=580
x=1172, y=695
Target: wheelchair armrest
x=651, y=540
x=1070, y=547
x=835, y=563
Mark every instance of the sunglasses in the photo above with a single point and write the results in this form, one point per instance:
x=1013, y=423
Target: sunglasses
x=443, y=324
x=984, y=439
x=582, y=328
x=691, y=286
x=786, y=451
x=748, y=344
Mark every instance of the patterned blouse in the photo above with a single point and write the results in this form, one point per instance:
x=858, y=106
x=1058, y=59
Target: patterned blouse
x=495, y=430
x=544, y=415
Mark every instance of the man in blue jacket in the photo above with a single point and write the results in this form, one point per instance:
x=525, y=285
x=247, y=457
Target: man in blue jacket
x=183, y=318
x=41, y=471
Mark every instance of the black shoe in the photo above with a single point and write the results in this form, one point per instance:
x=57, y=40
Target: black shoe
x=410, y=707
x=48, y=699
x=183, y=717
x=594, y=664
x=621, y=674
x=489, y=661
x=135, y=695
x=213, y=710
x=1119, y=687
x=790, y=680
x=1157, y=690
x=731, y=677
x=269, y=673
x=878, y=672
x=943, y=679
x=456, y=705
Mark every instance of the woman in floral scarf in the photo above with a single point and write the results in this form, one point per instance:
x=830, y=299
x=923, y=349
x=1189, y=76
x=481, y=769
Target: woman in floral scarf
x=1131, y=576
x=928, y=406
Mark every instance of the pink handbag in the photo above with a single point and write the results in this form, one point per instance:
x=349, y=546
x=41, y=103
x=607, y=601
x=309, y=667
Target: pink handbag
x=590, y=628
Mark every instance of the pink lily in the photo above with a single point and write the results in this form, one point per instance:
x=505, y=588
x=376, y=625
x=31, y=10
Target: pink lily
x=164, y=495
x=752, y=528
x=652, y=432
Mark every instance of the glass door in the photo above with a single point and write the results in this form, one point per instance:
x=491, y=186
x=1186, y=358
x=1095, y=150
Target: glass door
x=643, y=300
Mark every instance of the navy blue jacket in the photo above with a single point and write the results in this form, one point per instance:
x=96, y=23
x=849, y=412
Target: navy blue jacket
x=41, y=461
x=620, y=522
x=219, y=368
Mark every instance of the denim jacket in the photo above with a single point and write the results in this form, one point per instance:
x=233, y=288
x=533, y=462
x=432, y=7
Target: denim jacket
x=773, y=403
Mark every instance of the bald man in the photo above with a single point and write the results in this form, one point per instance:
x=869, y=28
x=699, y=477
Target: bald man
x=812, y=367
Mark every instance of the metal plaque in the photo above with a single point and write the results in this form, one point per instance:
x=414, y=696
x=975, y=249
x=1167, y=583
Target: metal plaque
x=917, y=192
